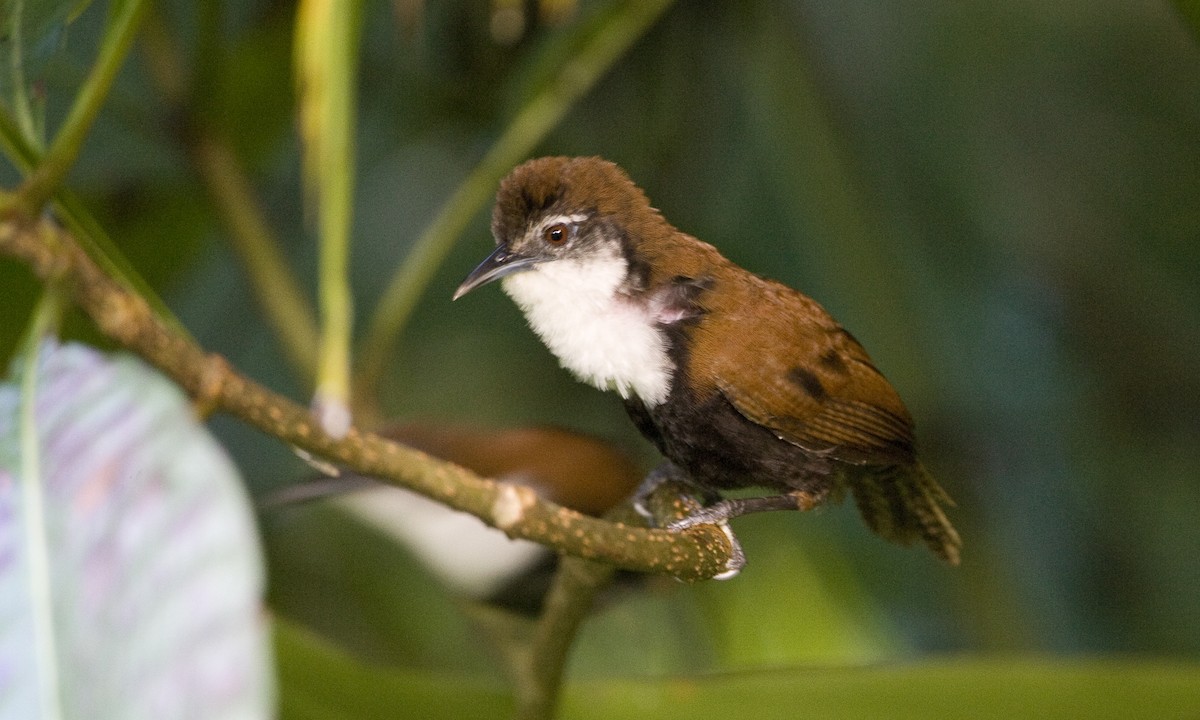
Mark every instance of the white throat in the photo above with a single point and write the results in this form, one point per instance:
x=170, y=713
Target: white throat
x=597, y=333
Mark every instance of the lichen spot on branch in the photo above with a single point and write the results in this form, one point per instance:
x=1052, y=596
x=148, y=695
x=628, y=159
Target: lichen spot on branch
x=510, y=505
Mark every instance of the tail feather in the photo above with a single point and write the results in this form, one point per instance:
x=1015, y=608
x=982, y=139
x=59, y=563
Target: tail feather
x=903, y=504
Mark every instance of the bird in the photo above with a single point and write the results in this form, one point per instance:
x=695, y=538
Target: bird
x=739, y=381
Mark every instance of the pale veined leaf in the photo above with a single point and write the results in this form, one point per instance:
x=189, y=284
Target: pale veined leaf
x=133, y=537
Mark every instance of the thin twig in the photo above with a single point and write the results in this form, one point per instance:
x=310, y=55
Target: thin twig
x=60, y=156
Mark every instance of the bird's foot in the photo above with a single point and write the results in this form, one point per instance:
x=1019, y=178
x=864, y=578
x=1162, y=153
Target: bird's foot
x=666, y=472
x=669, y=473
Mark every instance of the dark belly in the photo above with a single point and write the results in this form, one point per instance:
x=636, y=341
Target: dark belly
x=721, y=450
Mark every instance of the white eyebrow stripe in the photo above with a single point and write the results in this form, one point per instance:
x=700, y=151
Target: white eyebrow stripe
x=561, y=219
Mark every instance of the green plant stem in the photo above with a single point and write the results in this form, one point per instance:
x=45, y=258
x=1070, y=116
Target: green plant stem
x=24, y=154
x=15, y=143
x=326, y=64
x=539, y=671
x=535, y=120
x=276, y=288
x=285, y=306
x=33, y=513
x=53, y=168
x=21, y=104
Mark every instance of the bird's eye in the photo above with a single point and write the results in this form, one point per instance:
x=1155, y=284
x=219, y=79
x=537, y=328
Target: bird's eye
x=556, y=234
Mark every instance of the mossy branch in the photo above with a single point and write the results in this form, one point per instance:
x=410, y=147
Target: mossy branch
x=53, y=255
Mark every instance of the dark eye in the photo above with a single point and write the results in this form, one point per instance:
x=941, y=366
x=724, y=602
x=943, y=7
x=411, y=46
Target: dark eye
x=556, y=234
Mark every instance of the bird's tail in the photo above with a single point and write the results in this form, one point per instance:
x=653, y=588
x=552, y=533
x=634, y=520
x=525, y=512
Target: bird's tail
x=904, y=504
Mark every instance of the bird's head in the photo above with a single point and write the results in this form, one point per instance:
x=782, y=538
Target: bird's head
x=585, y=211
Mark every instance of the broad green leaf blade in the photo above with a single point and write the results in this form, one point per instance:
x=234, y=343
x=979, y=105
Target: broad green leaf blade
x=758, y=621
x=155, y=572
x=1190, y=11
x=971, y=689
x=318, y=682
x=354, y=586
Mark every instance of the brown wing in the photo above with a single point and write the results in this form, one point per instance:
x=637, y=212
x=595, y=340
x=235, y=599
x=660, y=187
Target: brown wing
x=799, y=373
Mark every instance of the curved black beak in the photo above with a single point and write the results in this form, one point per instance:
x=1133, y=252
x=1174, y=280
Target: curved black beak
x=500, y=263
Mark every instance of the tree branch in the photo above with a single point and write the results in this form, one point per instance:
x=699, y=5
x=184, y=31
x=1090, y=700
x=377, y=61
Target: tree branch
x=540, y=677
x=53, y=255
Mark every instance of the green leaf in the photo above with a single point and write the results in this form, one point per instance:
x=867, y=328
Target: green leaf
x=358, y=588
x=1190, y=11
x=317, y=681
x=758, y=619
x=320, y=682
x=127, y=526
x=975, y=689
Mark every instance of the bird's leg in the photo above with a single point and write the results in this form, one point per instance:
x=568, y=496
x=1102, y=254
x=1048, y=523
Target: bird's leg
x=720, y=513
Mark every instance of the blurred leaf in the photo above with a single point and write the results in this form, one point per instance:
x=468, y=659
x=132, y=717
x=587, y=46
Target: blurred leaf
x=789, y=606
x=40, y=18
x=251, y=102
x=978, y=690
x=1190, y=11
x=153, y=576
x=317, y=682
x=361, y=590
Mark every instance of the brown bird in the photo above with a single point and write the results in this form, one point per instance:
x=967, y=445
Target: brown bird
x=739, y=381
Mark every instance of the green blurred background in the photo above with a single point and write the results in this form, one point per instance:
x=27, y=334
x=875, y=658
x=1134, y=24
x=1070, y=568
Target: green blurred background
x=999, y=200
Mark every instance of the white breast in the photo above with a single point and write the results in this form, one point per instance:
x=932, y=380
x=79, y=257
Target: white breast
x=598, y=334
